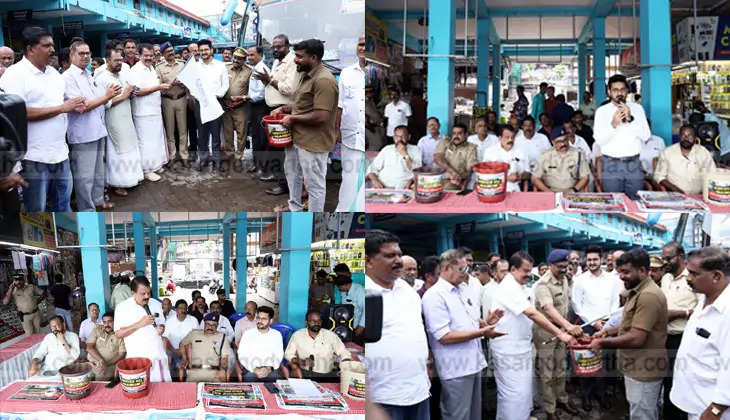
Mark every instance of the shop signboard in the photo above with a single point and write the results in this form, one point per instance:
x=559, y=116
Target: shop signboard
x=338, y=226
x=38, y=229
x=708, y=39
x=376, y=38
x=722, y=42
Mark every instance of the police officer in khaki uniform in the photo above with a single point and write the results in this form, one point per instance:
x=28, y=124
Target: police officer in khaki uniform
x=234, y=102
x=457, y=157
x=205, y=353
x=26, y=298
x=552, y=299
x=105, y=348
x=561, y=168
x=174, y=104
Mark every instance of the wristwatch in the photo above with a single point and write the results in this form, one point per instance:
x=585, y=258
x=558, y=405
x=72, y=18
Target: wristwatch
x=715, y=411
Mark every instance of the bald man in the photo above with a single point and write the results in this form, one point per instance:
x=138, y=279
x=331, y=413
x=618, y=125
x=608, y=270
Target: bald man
x=410, y=270
x=7, y=57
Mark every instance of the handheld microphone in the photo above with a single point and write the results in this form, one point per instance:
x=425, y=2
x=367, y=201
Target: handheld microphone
x=147, y=309
x=623, y=101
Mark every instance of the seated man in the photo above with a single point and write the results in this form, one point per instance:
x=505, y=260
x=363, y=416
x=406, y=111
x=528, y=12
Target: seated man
x=531, y=143
x=394, y=165
x=682, y=167
x=227, y=308
x=504, y=151
x=482, y=139
x=427, y=144
x=177, y=326
x=575, y=140
x=224, y=325
x=311, y=351
x=261, y=350
x=105, y=349
x=205, y=353
x=199, y=309
x=87, y=325
x=562, y=167
x=457, y=157
x=58, y=349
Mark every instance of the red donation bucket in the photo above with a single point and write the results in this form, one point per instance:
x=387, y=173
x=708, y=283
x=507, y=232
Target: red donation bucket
x=585, y=361
x=276, y=132
x=134, y=374
x=491, y=182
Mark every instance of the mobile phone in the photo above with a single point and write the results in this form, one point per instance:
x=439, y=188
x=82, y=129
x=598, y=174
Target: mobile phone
x=464, y=192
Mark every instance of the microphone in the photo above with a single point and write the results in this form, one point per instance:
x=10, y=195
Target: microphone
x=147, y=309
x=623, y=101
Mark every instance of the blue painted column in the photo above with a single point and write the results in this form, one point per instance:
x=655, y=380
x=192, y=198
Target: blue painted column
x=446, y=237
x=2, y=25
x=482, y=61
x=296, y=242
x=441, y=41
x=227, y=259
x=496, y=77
x=524, y=244
x=581, y=72
x=548, y=249
x=599, y=60
x=94, y=261
x=241, y=264
x=154, y=284
x=139, y=255
x=493, y=243
x=103, y=38
x=656, y=56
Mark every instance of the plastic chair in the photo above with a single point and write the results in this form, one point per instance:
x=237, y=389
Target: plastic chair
x=235, y=317
x=286, y=331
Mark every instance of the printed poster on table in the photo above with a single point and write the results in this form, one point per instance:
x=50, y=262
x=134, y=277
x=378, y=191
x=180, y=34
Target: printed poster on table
x=233, y=395
x=47, y=392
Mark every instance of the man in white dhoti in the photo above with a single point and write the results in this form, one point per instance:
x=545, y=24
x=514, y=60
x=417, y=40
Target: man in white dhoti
x=136, y=327
x=123, y=160
x=147, y=112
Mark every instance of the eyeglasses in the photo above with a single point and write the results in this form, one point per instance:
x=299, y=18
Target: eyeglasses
x=669, y=258
x=465, y=269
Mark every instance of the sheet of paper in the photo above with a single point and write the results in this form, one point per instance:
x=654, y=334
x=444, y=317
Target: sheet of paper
x=304, y=388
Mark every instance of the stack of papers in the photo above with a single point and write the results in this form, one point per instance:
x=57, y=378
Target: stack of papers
x=661, y=200
x=47, y=392
x=303, y=394
x=590, y=202
x=240, y=396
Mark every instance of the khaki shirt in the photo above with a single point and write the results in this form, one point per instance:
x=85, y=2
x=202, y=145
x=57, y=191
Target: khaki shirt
x=324, y=347
x=26, y=300
x=561, y=172
x=109, y=346
x=461, y=157
x=167, y=73
x=550, y=291
x=237, y=81
x=287, y=80
x=206, y=348
x=645, y=309
x=319, y=91
x=679, y=297
x=687, y=173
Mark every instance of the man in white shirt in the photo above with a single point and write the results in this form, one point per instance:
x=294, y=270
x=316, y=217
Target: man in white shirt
x=427, y=144
x=116, y=45
x=89, y=323
x=651, y=148
x=530, y=142
x=512, y=353
x=87, y=130
x=262, y=349
x=410, y=270
x=247, y=322
x=394, y=165
x=483, y=139
x=505, y=151
x=215, y=79
x=701, y=374
x=58, y=349
x=142, y=333
x=258, y=110
x=396, y=379
x=147, y=113
x=177, y=326
x=120, y=293
x=351, y=125
x=312, y=352
x=45, y=165
x=619, y=129
x=397, y=112
x=683, y=166
x=486, y=295
x=576, y=140
x=474, y=283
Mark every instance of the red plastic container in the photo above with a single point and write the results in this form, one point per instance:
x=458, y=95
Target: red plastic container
x=491, y=184
x=585, y=361
x=134, y=374
x=277, y=134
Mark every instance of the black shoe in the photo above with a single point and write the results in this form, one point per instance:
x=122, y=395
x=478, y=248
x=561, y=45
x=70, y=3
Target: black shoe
x=277, y=190
x=267, y=178
x=605, y=403
x=568, y=407
x=586, y=405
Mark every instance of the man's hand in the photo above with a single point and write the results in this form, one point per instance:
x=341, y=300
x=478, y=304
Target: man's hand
x=278, y=111
x=377, y=184
x=112, y=91
x=494, y=316
x=127, y=92
x=598, y=325
x=567, y=339
x=575, y=330
x=14, y=180
x=33, y=369
x=489, y=332
x=618, y=117
x=72, y=104
x=145, y=321
x=596, y=345
x=287, y=121
x=222, y=377
x=600, y=334
x=265, y=78
x=360, y=330
x=262, y=372
x=60, y=337
x=401, y=148
x=164, y=86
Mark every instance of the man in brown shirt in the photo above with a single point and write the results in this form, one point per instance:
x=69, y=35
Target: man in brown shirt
x=642, y=335
x=174, y=104
x=236, y=116
x=105, y=348
x=313, y=124
x=457, y=157
x=26, y=298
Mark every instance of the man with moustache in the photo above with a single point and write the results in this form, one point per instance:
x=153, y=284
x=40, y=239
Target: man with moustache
x=397, y=379
x=135, y=326
x=531, y=143
x=235, y=119
x=457, y=157
x=205, y=353
x=683, y=166
x=311, y=351
x=431, y=273
x=130, y=52
x=59, y=348
x=642, y=335
x=174, y=105
x=701, y=374
x=656, y=269
x=26, y=298
x=166, y=306
x=262, y=350
x=105, y=349
x=562, y=168
x=247, y=322
x=505, y=151
x=427, y=144
x=393, y=166
x=7, y=56
x=177, y=326
x=410, y=271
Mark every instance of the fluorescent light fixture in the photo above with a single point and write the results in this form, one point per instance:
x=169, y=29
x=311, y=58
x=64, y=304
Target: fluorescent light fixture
x=28, y=247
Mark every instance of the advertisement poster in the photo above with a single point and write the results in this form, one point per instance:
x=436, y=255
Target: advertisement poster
x=38, y=229
x=376, y=38
x=696, y=37
x=722, y=42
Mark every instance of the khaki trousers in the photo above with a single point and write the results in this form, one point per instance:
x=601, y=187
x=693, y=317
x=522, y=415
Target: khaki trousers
x=235, y=120
x=551, y=368
x=31, y=323
x=201, y=375
x=175, y=111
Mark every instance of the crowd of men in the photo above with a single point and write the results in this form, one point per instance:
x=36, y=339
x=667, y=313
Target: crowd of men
x=608, y=148
x=665, y=316
x=108, y=124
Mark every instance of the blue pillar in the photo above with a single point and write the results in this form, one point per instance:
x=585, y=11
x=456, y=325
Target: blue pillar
x=103, y=38
x=493, y=243
x=227, y=259
x=241, y=235
x=599, y=60
x=445, y=239
x=581, y=72
x=296, y=242
x=2, y=25
x=548, y=249
x=482, y=61
x=441, y=41
x=656, y=55
x=139, y=255
x=153, y=262
x=496, y=77
x=524, y=244
x=94, y=261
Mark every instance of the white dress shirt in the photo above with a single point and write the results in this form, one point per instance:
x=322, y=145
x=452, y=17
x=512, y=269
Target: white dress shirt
x=256, y=88
x=486, y=296
x=102, y=68
x=261, y=349
x=397, y=114
x=396, y=364
x=224, y=326
x=89, y=125
x=594, y=296
x=582, y=145
x=680, y=296
x=54, y=355
x=482, y=145
x=650, y=148
x=40, y=89
x=287, y=81
x=215, y=76
x=390, y=167
x=87, y=326
x=351, y=101
x=624, y=140
x=514, y=157
x=145, y=341
x=533, y=147
x=427, y=145
x=144, y=77
x=513, y=298
x=176, y=330
x=702, y=371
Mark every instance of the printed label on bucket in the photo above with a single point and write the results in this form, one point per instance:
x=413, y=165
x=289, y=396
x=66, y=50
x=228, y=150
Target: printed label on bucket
x=356, y=388
x=279, y=132
x=76, y=385
x=490, y=185
x=587, y=362
x=429, y=185
x=133, y=383
x=718, y=191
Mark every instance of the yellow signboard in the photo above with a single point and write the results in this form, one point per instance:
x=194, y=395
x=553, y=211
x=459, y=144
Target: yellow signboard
x=38, y=229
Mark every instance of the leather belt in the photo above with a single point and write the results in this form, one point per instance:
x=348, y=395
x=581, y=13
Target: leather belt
x=623, y=159
x=204, y=367
x=174, y=97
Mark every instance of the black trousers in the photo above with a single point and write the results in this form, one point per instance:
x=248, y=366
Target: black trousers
x=194, y=124
x=671, y=412
x=268, y=159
